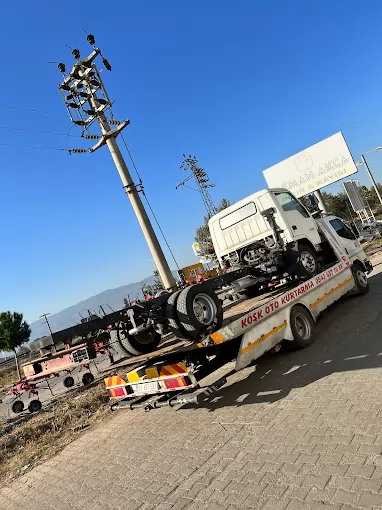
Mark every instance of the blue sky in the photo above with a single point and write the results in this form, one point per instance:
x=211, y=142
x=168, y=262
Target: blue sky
x=242, y=85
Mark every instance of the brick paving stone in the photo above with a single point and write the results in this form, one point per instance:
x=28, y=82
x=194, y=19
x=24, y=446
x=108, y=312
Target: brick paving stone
x=369, y=499
x=347, y=497
x=316, y=481
x=365, y=484
x=295, y=504
x=365, y=471
x=276, y=504
x=341, y=482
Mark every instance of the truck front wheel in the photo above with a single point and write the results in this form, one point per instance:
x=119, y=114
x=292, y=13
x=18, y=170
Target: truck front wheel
x=302, y=326
x=307, y=263
x=360, y=278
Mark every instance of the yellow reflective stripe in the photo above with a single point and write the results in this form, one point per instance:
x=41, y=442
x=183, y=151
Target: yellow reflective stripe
x=217, y=338
x=170, y=369
x=115, y=380
x=264, y=337
x=319, y=300
x=152, y=373
x=133, y=377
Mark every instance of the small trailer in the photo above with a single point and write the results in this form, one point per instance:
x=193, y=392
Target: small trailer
x=287, y=314
x=40, y=371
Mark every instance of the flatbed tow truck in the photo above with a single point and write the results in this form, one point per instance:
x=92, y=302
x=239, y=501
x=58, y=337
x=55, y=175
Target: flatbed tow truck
x=172, y=376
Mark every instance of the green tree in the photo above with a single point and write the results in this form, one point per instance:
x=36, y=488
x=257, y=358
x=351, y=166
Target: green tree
x=203, y=236
x=338, y=204
x=155, y=287
x=14, y=332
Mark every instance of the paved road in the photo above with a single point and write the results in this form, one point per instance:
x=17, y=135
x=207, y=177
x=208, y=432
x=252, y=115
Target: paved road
x=300, y=430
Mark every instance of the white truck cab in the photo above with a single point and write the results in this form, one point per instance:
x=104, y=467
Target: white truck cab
x=273, y=231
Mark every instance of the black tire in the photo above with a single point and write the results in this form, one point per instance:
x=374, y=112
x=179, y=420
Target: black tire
x=135, y=345
x=87, y=378
x=68, y=381
x=202, y=300
x=18, y=406
x=34, y=406
x=303, y=328
x=171, y=315
x=307, y=262
x=360, y=278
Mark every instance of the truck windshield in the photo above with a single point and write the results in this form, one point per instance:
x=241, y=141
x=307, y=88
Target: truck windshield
x=341, y=229
x=289, y=203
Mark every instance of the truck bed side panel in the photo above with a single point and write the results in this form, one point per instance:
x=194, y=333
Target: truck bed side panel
x=268, y=325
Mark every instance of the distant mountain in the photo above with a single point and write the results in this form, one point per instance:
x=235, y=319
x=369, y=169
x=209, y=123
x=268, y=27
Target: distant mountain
x=109, y=299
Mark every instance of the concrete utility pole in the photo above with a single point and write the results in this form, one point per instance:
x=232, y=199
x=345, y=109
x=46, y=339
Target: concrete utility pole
x=321, y=201
x=87, y=102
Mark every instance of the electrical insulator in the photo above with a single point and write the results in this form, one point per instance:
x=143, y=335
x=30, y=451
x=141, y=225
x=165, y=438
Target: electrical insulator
x=79, y=122
x=78, y=151
x=76, y=53
x=61, y=67
x=73, y=105
x=92, y=137
x=90, y=39
x=106, y=63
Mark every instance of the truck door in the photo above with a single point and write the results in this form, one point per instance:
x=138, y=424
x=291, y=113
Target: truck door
x=347, y=238
x=299, y=220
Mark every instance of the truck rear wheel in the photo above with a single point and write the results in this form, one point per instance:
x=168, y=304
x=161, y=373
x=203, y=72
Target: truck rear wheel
x=307, y=263
x=142, y=343
x=303, y=328
x=360, y=278
x=171, y=315
x=199, y=311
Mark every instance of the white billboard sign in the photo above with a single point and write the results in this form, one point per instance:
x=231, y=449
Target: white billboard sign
x=314, y=168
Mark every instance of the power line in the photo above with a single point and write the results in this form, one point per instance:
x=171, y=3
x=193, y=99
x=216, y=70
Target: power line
x=148, y=203
x=38, y=131
x=160, y=229
x=31, y=110
x=33, y=147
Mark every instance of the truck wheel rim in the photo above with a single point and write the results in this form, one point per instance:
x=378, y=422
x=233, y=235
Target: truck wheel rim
x=204, y=309
x=308, y=261
x=361, y=278
x=303, y=326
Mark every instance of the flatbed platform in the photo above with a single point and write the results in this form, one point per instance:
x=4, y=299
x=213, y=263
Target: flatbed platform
x=177, y=347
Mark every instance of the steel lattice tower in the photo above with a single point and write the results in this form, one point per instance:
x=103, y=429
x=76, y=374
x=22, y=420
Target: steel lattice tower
x=190, y=164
